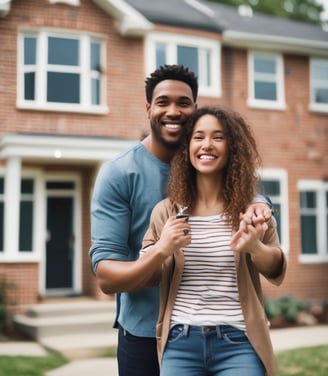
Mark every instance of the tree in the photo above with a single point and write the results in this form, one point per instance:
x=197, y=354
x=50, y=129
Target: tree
x=299, y=10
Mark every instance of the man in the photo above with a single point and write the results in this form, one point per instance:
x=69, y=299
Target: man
x=126, y=190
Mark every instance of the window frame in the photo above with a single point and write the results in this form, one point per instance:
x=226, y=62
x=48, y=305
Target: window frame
x=321, y=189
x=314, y=106
x=172, y=41
x=38, y=219
x=41, y=68
x=279, y=103
x=281, y=176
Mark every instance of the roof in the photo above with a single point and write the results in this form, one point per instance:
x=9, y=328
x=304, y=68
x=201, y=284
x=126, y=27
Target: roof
x=181, y=13
x=252, y=30
x=248, y=30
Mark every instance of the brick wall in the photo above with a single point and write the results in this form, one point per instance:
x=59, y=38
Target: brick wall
x=294, y=139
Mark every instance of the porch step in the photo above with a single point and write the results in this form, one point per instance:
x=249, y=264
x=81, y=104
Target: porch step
x=74, y=329
x=82, y=346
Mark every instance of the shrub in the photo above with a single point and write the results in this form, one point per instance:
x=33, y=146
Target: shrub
x=4, y=286
x=286, y=306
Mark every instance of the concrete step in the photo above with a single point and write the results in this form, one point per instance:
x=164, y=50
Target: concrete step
x=70, y=308
x=71, y=318
x=82, y=346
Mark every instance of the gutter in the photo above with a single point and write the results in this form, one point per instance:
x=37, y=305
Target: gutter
x=274, y=43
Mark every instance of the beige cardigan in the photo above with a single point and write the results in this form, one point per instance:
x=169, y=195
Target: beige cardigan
x=249, y=287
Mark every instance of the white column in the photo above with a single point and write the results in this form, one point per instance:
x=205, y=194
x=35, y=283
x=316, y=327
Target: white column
x=12, y=203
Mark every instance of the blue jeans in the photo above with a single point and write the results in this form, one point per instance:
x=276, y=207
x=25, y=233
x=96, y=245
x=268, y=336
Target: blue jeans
x=137, y=356
x=209, y=351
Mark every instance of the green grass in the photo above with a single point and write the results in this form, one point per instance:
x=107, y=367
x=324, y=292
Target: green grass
x=29, y=366
x=310, y=361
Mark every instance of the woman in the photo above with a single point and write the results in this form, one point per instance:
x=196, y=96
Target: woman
x=211, y=319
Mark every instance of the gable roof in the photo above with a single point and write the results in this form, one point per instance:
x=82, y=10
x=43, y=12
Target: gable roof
x=256, y=30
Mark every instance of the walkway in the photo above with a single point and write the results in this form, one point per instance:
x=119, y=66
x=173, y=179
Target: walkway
x=282, y=339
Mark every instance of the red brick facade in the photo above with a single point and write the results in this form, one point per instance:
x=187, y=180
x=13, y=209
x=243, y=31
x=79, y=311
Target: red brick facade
x=293, y=139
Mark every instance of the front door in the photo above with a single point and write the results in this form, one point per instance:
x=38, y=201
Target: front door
x=60, y=245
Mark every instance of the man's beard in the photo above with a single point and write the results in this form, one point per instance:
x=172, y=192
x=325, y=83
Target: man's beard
x=167, y=144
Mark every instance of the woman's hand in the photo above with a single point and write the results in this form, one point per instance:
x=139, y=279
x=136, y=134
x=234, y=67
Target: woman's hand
x=175, y=234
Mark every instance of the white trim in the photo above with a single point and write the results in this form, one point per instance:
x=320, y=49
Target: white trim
x=274, y=43
x=130, y=21
x=11, y=207
x=74, y=3
x=253, y=102
x=11, y=252
x=315, y=106
x=201, y=8
x=280, y=175
x=171, y=41
x=77, y=254
x=61, y=149
x=321, y=189
x=41, y=68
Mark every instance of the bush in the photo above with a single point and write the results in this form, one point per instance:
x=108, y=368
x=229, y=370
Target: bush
x=286, y=306
x=4, y=286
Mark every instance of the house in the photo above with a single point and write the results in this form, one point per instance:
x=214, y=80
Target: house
x=72, y=96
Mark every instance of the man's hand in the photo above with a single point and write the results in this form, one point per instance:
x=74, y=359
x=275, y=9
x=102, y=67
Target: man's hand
x=259, y=211
x=249, y=235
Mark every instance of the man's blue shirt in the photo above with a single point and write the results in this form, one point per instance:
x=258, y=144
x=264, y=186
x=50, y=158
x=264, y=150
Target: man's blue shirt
x=126, y=190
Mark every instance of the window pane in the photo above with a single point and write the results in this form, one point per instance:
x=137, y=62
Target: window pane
x=265, y=90
x=321, y=95
x=271, y=187
x=95, y=57
x=160, y=54
x=29, y=51
x=63, y=87
x=63, y=51
x=308, y=200
x=26, y=226
x=95, y=91
x=27, y=186
x=188, y=56
x=308, y=234
x=29, y=86
x=320, y=72
x=1, y=225
x=263, y=65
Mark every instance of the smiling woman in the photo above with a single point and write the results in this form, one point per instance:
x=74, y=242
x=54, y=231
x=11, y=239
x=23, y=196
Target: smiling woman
x=206, y=301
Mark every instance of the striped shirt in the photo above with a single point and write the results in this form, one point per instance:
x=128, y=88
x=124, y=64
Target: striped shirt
x=208, y=292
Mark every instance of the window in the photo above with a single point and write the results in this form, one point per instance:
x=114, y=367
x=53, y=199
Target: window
x=26, y=216
x=314, y=220
x=199, y=54
x=319, y=84
x=60, y=72
x=265, y=75
x=274, y=184
x=2, y=188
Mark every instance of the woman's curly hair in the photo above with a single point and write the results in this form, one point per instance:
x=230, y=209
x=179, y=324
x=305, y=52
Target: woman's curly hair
x=240, y=174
